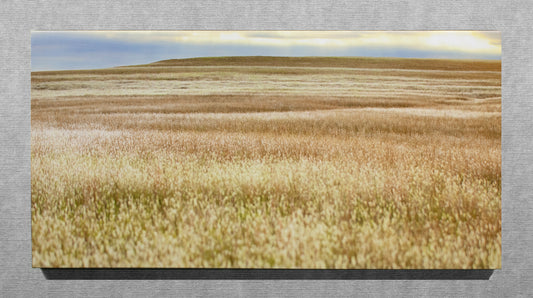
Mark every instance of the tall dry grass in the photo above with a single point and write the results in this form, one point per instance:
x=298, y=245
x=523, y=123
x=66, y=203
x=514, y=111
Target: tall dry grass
x=294, y=179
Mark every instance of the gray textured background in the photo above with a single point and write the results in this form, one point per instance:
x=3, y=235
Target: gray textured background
x=17, y=19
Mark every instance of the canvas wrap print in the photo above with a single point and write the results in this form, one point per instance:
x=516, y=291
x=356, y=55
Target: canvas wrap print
x=266, y=149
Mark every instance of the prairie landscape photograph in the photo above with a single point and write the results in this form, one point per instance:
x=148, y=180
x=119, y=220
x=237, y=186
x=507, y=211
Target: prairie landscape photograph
x=266, y=149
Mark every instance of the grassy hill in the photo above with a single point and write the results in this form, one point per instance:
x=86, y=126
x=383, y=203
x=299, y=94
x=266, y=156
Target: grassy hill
x=348, y=62
x=313, y=64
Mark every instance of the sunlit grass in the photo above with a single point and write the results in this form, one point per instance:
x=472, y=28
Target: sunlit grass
x=267, y=180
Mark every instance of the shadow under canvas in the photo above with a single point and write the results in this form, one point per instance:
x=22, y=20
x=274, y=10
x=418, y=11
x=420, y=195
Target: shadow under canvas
x=271, y=274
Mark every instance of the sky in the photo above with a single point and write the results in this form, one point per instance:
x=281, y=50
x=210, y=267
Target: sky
x=61, y=50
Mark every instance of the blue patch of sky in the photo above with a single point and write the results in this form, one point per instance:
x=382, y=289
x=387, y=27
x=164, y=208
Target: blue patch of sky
x=61, y=51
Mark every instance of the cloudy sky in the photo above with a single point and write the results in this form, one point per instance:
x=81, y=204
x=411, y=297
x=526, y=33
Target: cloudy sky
x=57, y=50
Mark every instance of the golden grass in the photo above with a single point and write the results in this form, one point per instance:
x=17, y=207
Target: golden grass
x=294, y=179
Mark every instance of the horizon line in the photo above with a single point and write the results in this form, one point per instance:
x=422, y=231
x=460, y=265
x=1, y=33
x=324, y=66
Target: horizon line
x=271, y=56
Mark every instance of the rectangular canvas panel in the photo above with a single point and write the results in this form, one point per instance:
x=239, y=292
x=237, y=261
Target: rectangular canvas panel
x=266, y=149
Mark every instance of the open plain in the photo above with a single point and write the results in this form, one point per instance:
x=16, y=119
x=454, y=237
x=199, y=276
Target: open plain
x=268, y=162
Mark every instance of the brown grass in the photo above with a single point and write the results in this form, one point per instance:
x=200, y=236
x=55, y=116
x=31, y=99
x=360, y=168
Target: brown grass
x=404, y=174
x=343, y=62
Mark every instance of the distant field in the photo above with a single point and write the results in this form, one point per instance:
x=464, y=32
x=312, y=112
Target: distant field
x=263, y=162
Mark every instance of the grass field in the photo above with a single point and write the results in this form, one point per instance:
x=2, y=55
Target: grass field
x=262, y=162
